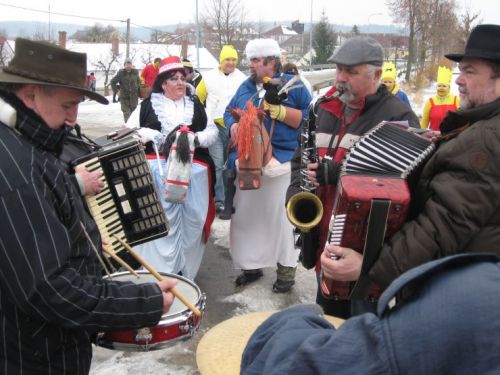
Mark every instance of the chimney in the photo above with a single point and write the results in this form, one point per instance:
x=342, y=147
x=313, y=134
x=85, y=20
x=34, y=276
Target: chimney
x=62, y=39
x=115, y=46
x=184, y=48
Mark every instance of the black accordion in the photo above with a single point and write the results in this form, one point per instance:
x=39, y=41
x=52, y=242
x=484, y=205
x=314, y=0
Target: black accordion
x=372, y=199
x=128, y=206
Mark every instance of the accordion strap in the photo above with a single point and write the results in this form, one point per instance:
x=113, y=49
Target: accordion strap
x=375, y=233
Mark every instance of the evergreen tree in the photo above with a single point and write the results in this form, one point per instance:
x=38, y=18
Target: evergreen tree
x=355, y=30
x=324, y=40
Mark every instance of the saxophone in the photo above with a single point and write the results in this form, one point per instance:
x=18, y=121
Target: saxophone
x=304, y=209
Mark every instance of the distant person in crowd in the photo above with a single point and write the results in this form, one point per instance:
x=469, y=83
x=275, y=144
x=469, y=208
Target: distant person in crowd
x=339, y=123
x=260, y=233
x=193, y=76
x=52, y=295
x=291, y=68
x=446, y=322
x=172, y=104
x=389, y=79
x=91, y=82
x=215, y=90
x=150, y=71
x=456, y=203
x=128, y=82
x=437, y=107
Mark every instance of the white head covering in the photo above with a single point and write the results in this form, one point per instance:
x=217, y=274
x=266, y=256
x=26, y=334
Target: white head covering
x=262, y=48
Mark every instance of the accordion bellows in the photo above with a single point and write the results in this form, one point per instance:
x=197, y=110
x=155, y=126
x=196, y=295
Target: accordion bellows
x=372, y=199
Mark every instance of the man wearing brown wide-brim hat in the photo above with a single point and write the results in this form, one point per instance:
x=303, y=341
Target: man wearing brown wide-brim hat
x=457, y=200
x=52, y=297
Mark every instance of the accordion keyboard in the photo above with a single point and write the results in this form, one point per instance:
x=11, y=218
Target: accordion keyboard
x=128, y=206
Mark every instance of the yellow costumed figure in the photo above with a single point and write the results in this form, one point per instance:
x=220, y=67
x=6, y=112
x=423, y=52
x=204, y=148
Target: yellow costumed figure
x=388, y=78
x=436, y=107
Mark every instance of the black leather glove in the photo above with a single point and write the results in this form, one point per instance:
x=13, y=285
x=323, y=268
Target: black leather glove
x=169, y=141
x=327, y=172
x=271, y=96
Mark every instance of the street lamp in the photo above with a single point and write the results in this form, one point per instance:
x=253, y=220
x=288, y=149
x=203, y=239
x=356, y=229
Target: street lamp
x=373, y=14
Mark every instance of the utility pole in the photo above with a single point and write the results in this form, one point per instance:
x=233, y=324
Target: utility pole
x=128, y=39
x=197, y=39
x=311, y=39
x=48, y=36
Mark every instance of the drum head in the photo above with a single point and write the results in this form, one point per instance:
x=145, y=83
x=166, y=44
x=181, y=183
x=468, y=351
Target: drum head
x=185, y=286
x=220, y=349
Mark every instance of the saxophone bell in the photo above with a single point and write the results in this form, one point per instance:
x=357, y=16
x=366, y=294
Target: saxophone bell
x=304, y=210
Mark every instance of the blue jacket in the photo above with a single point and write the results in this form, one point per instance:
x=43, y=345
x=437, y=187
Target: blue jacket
x=285, y=138
x=402, y=95
x=447, y=323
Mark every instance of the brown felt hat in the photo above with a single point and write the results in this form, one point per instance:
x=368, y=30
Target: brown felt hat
x=220, y=349
x=42, y=63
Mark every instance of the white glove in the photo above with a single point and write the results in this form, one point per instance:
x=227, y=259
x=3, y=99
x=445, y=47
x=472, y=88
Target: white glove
x=150, y=135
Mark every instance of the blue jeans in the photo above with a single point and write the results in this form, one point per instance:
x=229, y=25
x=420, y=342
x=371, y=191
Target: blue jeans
x=217, y=153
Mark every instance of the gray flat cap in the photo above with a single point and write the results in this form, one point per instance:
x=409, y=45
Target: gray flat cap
x=359, y=50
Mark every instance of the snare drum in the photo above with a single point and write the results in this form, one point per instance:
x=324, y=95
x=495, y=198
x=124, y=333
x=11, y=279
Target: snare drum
x=178, y=324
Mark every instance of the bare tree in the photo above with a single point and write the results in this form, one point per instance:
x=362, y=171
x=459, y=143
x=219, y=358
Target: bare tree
x=223, y=23
x=466, y=22
x=107, y=66
x=405, y=11
x=432, y=25
x=96, y=34
x=39, y=34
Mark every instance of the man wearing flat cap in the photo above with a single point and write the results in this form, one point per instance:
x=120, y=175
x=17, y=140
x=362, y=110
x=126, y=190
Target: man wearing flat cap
x=52, y=297
x=341, y=120
x=456, y=204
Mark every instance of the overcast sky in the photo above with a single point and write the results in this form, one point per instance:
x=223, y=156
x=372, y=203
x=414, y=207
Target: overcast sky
x=360, y=12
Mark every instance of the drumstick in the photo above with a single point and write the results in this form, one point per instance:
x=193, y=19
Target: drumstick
x=113, y=255
x=159, y=277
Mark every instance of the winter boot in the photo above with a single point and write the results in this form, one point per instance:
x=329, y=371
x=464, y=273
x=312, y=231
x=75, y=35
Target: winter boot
x=285, y=279
x=248, y=276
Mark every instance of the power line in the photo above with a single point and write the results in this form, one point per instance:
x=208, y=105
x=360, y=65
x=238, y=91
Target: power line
x=77, y=16
x=61, y=14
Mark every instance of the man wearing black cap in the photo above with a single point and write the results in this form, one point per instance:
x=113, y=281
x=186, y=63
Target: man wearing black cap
x=128, y=82
x=193, y=76
x=362, y=104
x=456, y=205
x=52, y=297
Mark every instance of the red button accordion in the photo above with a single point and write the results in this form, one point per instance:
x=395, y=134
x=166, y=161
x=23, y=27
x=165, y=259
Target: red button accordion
x=372, y=199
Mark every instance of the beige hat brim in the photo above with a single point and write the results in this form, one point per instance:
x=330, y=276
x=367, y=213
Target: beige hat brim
x=220, y=349
x=13, y=78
